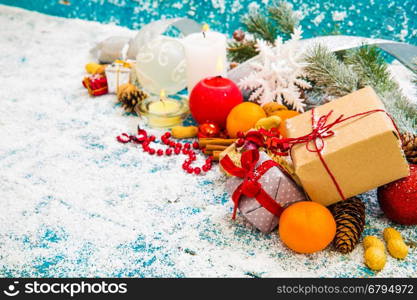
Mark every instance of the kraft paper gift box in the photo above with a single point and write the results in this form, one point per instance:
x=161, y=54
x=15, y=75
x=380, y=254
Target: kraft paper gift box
x=364, y=152
x=276, y=184
x=117, y=74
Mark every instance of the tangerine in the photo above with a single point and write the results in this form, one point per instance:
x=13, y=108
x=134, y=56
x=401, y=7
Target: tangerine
x=306, y=227
x=243, y=117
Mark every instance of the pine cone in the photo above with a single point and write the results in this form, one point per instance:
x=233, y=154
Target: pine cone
x=410, y=146
x=129, y=95
x=350, y=221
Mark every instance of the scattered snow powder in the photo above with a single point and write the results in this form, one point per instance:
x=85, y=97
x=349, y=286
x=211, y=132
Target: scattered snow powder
x=75, y=203
x=338, y=16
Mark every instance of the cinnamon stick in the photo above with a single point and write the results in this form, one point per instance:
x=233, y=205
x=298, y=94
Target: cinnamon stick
x=216, y=155
x=216, y=147
x=208, y=152
x=203, y=142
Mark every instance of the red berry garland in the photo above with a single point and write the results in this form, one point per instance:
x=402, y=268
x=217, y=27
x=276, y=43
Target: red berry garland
x=173, y=148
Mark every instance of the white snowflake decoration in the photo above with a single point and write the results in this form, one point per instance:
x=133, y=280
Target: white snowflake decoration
x=278, y=75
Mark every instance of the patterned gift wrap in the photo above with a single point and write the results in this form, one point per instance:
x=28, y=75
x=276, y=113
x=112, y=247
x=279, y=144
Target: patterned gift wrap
x=274, y=182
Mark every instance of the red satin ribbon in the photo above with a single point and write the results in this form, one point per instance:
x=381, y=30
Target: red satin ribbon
x=250, y=186
x=321, y=130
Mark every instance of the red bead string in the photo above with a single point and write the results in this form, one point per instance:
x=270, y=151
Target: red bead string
x=174, y=148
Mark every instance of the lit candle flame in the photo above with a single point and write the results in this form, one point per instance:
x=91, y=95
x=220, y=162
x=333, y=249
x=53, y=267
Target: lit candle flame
x=204, y=29
x=162, y=95
x=219, y=65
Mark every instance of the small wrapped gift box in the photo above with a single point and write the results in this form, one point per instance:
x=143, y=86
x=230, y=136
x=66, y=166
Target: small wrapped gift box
x=346, y=147
x=96, y=84
x=117, y=74
x=260, y=189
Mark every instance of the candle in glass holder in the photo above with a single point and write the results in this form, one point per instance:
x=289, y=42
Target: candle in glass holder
x=164, y=112
x=203, y=51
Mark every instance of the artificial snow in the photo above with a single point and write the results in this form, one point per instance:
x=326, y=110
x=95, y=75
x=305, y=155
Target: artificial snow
x=75, y=203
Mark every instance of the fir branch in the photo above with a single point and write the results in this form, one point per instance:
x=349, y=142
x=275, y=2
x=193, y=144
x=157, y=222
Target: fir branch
x=241, y=51
x=260, y=26
x=282, y=12
x=368, y=63
x=401, y=109
x=371, y=68
x=332, y=76
x=415, y=71
x=362, y=67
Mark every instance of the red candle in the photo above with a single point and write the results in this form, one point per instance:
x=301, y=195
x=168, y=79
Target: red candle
x=212, y=99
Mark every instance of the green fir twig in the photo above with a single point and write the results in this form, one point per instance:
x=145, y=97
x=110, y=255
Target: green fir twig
x=284, y=15
x=363, y=66
x=401, y=109
x=241, y=51
x=371, y=68
x=260, y=26
x=329, y=74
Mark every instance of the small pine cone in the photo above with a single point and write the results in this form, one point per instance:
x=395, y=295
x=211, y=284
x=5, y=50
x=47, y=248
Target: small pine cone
x=130, y=96
x=409, y=145
x=350, y=222
x=233, y=65
x=239, y=35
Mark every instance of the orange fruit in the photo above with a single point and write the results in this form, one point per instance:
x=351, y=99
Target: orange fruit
x=243, y=117
x=306, y=227
x=284, y=115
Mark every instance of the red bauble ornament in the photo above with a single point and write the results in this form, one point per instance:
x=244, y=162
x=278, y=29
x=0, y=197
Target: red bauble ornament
x=398, y=199
x=213, y=98
x=208, y=130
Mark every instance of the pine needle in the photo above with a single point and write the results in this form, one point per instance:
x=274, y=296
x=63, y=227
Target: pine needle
x=371, y=68
x=241, y=51
x=364, y=66
x=401, y=109
x=282, y=12
x=260, y=26
x=368, y=63
x=329, y=74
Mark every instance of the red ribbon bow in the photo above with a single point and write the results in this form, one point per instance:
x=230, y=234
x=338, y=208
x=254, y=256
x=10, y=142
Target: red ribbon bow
x=250, y=186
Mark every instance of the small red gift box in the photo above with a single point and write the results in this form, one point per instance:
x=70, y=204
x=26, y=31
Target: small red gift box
x=96, y=84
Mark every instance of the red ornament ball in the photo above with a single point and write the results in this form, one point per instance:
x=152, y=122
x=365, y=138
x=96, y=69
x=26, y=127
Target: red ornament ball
x=213, y=98
x=398, y=199
x=208, y=130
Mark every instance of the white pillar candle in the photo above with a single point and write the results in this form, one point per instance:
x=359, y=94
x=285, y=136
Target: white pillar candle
x=204, y=52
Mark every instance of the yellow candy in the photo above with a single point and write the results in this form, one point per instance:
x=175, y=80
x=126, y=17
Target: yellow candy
x=375, y=258
x=395, y=243
x=391, y=233
x=372, y=241
x=94, y=68
x=268, y=122
x=271, y=107
x=184, y=132
x=397, y=248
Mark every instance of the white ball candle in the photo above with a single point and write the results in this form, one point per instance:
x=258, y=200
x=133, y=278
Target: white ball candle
x=205, y=54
